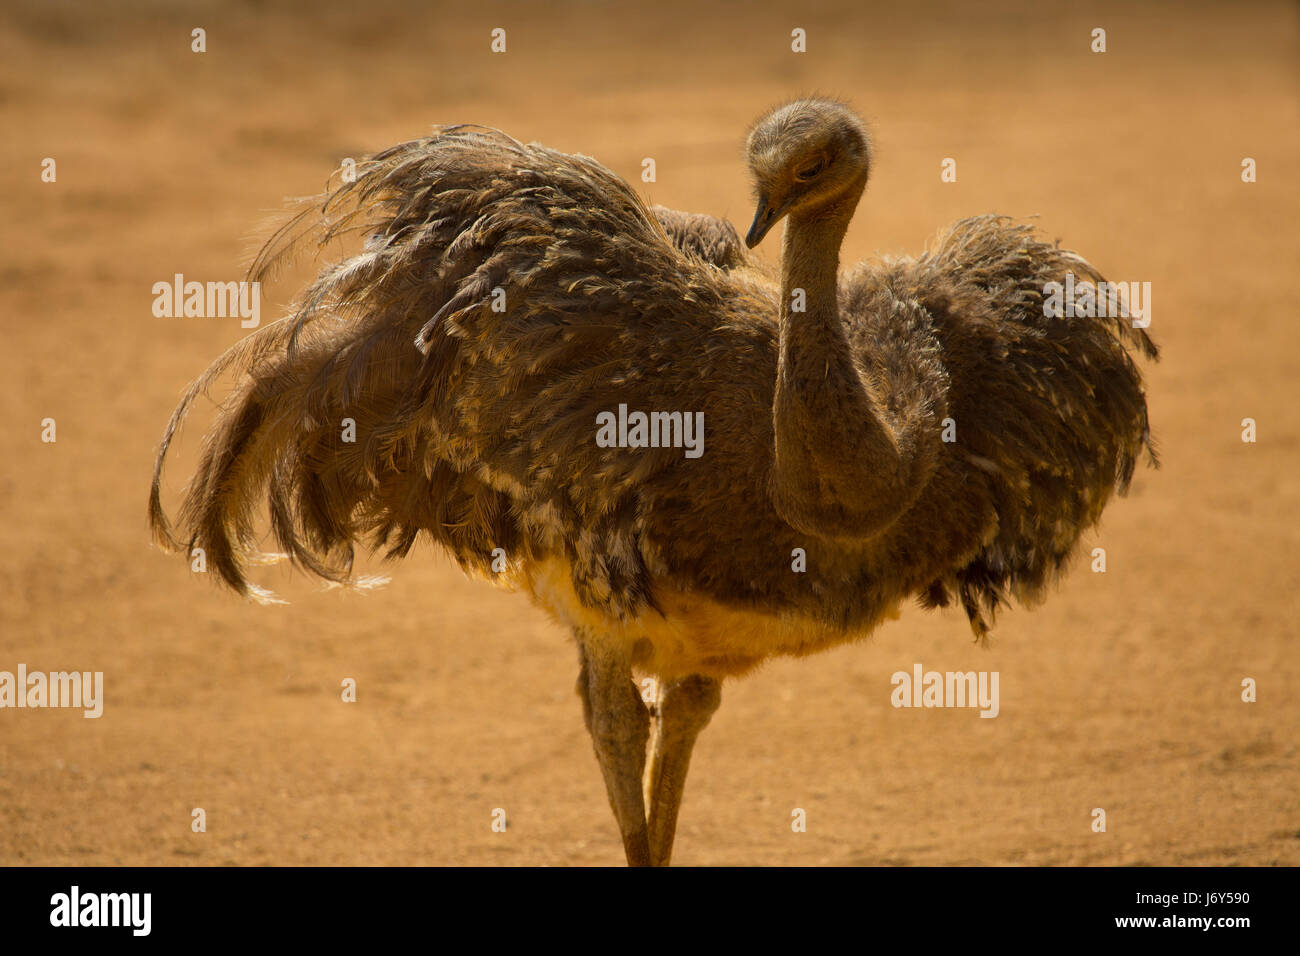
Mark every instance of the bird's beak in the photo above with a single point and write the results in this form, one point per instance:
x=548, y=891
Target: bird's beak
x=764, y=217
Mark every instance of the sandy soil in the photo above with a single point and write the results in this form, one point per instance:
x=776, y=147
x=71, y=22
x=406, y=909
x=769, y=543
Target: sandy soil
x=1122, y=692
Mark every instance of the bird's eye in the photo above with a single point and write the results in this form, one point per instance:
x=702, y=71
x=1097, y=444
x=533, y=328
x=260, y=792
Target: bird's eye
x=808, y=172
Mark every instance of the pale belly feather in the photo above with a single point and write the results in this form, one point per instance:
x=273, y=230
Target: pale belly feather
x=694, y=634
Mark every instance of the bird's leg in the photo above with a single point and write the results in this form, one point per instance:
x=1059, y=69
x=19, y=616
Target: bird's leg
x=682, y=709
x=619, y=725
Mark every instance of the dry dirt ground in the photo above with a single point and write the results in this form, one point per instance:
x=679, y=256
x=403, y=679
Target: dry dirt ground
x=1123, y=692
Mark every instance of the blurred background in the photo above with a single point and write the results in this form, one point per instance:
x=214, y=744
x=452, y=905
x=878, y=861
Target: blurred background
x=1122, y=692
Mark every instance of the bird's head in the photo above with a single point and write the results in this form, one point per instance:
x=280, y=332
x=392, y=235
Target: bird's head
x=805, y=155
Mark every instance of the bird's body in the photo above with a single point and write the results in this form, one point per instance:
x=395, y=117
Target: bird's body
x=542, y=293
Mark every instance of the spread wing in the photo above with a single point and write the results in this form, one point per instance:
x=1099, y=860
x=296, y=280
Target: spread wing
x=507, y=294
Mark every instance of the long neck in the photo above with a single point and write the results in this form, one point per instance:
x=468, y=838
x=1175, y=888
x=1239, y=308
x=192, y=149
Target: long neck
x=838, y=470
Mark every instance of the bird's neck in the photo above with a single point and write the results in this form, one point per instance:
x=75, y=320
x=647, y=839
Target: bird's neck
x=836, y=464
x=810, y=259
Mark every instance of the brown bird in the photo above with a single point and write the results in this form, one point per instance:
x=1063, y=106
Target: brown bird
x=919, y=428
